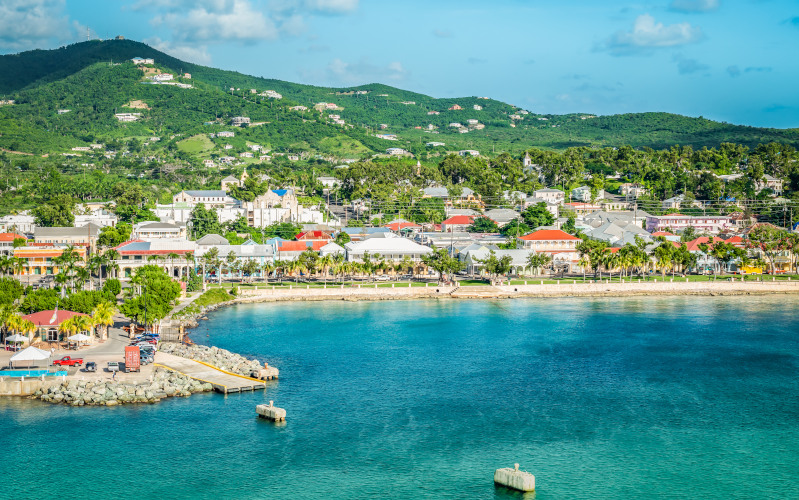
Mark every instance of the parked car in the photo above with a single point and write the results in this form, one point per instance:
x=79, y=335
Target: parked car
x=91, y=366
x=67, y=361
x=382, y=277
x=113, y=366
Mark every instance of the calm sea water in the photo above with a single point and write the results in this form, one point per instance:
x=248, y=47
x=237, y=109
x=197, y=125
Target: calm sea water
x=688, y=397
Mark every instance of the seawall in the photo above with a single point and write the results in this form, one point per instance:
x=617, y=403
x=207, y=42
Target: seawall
x=677, y=286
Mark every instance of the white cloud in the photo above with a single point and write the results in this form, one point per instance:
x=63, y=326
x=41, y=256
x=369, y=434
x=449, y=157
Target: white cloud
x=190, y=53
x=694, y=5
x=27, y=24
x=345, y=74
x=246, y=21
x=219, y=20
x=648, y=34
x=332, y=6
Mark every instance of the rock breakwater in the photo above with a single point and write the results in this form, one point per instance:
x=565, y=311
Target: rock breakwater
x=220, y=358
x=163, y=383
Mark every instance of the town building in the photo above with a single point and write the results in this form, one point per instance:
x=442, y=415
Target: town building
x=239, y=121
x=22, y=223
x=390, y=248
x=158, y=230
x=7, y=243
x=76, y=236
x=40, y=260
x=550, y=195
x=712, y=224
x=168, y=254
x=208, y=198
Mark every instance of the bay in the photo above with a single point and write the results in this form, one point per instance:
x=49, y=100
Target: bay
x=658, y=397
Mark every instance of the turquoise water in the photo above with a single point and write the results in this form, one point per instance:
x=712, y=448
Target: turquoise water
x=680, y=397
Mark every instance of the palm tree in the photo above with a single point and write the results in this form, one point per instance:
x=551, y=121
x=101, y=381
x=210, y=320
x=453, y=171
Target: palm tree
x=230, y=260
x=103, y=316
x=325, y=263
x=211, y=259
x=25, y=327
x=171, y=256
x=189, y=256
x=95, y=264
x=266, y=270
x=112, y=256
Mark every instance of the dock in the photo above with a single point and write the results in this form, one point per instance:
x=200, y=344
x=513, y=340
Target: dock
x=222, y=381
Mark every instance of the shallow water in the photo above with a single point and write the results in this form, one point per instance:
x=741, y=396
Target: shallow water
x=689, y=397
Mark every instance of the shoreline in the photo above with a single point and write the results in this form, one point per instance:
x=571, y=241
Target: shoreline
x=600, y=289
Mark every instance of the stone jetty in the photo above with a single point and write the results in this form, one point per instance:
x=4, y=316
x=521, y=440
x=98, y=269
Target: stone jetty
x=222, y=359
x=515, y=478
x=271, y=412
x=162, y=384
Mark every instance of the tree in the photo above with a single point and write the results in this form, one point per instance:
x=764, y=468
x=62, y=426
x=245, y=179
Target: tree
x=536, y=261
x=342, y=238
x=441, y=262
x=57, y=212
x=204, y=222
x=769, y=240
x=111, y=236
x=483, y=225
x=496, y=266
x=514, y=228
x=103, y=316
x=153, y=295
x=537, y=216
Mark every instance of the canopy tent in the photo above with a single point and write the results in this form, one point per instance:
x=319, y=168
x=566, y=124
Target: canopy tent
x=30, y=354
x=79, y=337
x=17, y=338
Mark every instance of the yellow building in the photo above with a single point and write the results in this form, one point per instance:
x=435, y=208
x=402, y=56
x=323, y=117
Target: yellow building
x=39, y=260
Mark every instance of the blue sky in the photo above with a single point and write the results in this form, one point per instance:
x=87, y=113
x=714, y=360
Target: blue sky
x=726, y=60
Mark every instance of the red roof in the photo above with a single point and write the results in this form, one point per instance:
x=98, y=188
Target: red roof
x=662, y=233
x=459, y=219
x=398, y=226
x=300, y=246
x=45, y=318
x=314, y=235
x=693, y=245
x=548, y=234
x=11, y=236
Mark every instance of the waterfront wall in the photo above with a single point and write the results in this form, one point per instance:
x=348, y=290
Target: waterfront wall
x=669, y=286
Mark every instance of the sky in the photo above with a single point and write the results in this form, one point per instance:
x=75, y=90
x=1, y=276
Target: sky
x=727, y=60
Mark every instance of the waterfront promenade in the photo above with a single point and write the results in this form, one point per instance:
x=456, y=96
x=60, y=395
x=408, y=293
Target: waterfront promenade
x=533, y=288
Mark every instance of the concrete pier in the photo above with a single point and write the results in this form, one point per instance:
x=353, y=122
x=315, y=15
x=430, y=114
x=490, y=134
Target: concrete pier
x=271, y=412
x=514, y=478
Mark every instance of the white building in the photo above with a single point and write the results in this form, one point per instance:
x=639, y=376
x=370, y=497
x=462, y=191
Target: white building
x=239, y=121
x=17, y=224
x=391, y=248
x=550, y=195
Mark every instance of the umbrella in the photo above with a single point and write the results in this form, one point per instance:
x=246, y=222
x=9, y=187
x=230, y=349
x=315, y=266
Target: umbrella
x=79, y=337
x=30, y=354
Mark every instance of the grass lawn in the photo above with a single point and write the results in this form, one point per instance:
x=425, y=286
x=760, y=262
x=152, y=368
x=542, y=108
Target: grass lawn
x=199, y=143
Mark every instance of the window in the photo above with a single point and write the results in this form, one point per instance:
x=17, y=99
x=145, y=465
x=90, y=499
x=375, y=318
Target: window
x=52, y=334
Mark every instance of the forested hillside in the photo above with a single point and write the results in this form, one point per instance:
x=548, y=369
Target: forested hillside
x=88, y=79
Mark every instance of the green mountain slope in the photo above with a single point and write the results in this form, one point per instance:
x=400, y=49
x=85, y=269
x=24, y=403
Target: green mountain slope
x=86, y=78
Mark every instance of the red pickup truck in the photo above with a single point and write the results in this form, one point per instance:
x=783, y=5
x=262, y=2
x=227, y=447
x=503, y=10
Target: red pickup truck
x=67, y=361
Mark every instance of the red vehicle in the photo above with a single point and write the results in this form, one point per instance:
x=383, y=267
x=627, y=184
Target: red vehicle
x=132, y=358
x=67, y=361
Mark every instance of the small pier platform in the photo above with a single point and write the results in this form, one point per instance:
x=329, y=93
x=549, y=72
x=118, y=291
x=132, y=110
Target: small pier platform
x=271, y=412
x=222, y=381
x=514, y=478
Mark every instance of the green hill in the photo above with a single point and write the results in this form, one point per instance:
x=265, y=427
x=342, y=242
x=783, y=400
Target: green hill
x=95, y=79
